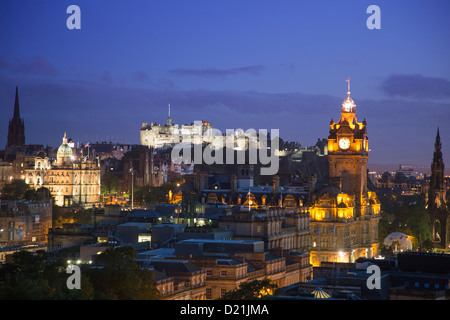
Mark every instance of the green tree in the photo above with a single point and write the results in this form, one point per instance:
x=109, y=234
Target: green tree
x=116, y=276
x=410, y=219
x=31, y=276
x=153, y=195
x=252, y=290
x=16, y=190
x=109, y=183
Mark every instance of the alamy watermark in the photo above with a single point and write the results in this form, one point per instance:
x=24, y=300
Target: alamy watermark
x=249, y=147
x=74, y=20
x=74, y=280
x=374, y=280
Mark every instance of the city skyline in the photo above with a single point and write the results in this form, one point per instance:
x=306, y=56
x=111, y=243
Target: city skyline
x=236, y=65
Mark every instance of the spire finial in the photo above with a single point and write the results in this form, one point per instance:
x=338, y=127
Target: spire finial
x=169, y=110
x=16, y=105
x=348, y=85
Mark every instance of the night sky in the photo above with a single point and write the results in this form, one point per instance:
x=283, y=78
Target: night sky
x=235, y=63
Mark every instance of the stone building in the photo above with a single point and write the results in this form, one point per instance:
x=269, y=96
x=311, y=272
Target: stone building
x=24, y=222
x=345, y=213
x=178, y=279
x=73, y=178
x=278, y=228
x=228, y=263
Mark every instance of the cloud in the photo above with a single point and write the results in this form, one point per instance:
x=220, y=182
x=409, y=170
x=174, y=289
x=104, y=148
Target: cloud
x=88, y=110
x=36, y=66
x=141, y=76
x=4, y=64
x=106, y=77
x=416, y=86
x=213, y=72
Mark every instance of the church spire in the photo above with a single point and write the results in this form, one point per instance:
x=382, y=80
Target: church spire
x=438, y=144
x=16, y=129
x=437, y=166
x=16, y=105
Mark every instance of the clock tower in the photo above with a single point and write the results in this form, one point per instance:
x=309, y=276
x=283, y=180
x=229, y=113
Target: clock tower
x=348, y=152
x=344, y=214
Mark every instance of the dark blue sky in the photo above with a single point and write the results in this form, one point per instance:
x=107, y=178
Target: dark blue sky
x=235, y=63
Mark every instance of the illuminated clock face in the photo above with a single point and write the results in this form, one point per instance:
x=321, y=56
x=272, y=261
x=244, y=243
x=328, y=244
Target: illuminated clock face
x=344, y=143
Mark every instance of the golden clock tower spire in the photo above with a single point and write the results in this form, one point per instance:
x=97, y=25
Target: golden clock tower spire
x=348, y=150
x=345, y=213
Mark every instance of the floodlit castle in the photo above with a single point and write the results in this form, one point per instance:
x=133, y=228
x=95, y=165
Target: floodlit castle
x=156, y=136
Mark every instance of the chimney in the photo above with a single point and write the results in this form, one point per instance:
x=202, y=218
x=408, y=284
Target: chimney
x=276, y=184
x=312, y=183
x=233, y=184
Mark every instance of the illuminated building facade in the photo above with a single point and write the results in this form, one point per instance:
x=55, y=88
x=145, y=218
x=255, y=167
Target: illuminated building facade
x=25, y=222
x=156, y=136
x=229, y=263
x=345, y=214
x=71, y=179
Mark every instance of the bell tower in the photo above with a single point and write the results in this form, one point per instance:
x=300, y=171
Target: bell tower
x=348, y=152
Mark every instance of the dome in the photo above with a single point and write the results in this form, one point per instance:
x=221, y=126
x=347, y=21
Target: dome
x=348, y=105
x=64, y=150
x=402, y=239
x=319, y=293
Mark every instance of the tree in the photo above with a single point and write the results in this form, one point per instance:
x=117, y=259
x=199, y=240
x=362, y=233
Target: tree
x=116, y=276
x=153, y=195
x=15, y=190
x=109, y=183
x=411, y=219
x=31, y=276
x=252, y=290
x=18, y=189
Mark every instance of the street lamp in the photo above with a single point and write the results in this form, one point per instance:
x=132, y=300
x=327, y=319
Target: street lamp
x=132, y=187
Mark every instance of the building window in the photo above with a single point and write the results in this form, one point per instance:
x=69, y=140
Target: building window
x=223, y=273
x=208, y=293
x=223, y=292
x=209, y=272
